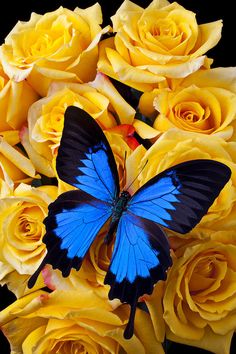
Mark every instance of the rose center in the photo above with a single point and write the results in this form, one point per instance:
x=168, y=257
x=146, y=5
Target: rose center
x=191, y=112
x=27, y=228
x=42, y=45
x=164, y=28
x=206, y=268
x=203, y=276
x=73, y=346
x=29, y=223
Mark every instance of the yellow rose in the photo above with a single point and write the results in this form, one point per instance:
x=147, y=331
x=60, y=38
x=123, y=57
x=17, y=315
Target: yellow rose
x=74, y=321
x=21, y=230
x=15, y=100
x=162, y=41
x=59, y=45
x=204, y=102
x=200, y=296
x=46, y=117
x=176, y=146
x=12, y=161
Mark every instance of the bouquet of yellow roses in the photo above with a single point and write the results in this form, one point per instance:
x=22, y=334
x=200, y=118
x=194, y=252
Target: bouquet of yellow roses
x=147, y=81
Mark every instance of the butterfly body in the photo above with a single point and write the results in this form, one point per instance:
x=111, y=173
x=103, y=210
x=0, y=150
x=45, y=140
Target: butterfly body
x=119, y=205
x=176, y=199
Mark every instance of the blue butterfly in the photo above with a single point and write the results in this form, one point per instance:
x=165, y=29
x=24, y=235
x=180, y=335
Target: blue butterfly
x=176, y=199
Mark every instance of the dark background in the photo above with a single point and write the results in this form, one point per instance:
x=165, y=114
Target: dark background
x=224, y=54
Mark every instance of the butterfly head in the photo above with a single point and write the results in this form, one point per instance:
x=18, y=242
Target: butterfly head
x=125, y=195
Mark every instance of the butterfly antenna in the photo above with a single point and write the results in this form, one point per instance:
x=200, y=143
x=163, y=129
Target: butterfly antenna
x=137, y=175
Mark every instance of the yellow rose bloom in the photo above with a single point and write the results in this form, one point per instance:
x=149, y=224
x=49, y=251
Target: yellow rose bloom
x=12, y=161
x=15, y=100
x=199, y=299
x=59, y=45
x=74, y=321
x=46, y=117
x=204, y=102
x=162, y=41
x=176, y=146
x=22, y=229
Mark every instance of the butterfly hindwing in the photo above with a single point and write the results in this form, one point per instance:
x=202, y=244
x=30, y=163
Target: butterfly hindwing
x=72, y=224
x=140, y=258
x=179, y=197
x=85, y=159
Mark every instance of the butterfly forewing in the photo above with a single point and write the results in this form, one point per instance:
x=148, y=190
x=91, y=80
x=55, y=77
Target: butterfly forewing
x=85, y=159
x=179, y=197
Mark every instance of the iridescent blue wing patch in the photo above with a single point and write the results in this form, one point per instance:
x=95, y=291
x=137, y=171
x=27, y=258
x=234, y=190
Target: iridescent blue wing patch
x=85, y=159
x=179, y=197
x=73, y=222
